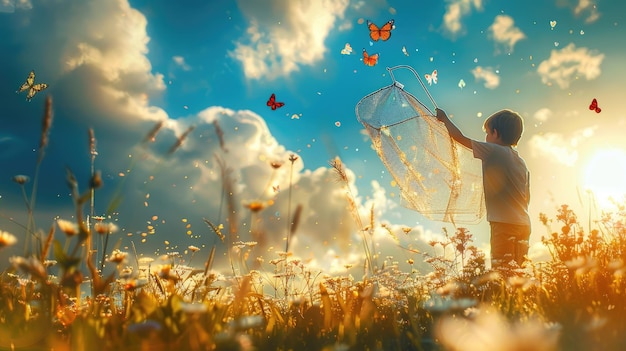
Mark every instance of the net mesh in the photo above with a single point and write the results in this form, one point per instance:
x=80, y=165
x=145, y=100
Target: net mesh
x=437, y=176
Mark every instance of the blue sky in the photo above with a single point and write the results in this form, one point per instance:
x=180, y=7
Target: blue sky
x=121, y=66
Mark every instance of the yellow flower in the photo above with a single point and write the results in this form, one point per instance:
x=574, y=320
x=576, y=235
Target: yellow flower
x=255, y=206
x=7, y=239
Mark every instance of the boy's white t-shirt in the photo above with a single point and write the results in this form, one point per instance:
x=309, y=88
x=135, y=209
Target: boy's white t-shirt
x=506, y=181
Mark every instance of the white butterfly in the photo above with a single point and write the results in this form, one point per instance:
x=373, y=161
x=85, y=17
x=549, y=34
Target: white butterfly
x=31, y=86
x=461, y=84
x=431, y=78
x=347, y=50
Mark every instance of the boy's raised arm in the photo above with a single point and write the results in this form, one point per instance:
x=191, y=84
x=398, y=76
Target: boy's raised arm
x=453, y=130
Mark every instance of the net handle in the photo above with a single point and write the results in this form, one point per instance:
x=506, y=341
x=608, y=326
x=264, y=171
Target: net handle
x=391, y=69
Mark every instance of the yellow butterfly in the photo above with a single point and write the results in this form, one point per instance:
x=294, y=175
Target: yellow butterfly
x=31, y=86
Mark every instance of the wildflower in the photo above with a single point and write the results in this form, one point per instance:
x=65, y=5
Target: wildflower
x=67, y=227
x=193, y=248
x=255, y=206
x=293, y=158
x=29, y=265
x=131, y=285
x=49, y=263
x=242, y=244
x=164, y=271
x=7, y=239
x=21, y=179
x=470, y=333
x=105, y=228
x=276, y=164
x=117, y=256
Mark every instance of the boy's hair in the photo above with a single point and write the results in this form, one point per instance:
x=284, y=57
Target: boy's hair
x=509, y=125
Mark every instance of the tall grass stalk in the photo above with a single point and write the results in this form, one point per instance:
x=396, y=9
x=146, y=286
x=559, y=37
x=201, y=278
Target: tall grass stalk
x=46, y=124
x=228, y=194
x=292, y=158
x=342, y=176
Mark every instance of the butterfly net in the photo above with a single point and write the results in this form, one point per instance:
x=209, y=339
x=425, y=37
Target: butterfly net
x=437, y=176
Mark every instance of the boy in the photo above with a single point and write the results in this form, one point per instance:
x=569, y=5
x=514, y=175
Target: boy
x=506, y=183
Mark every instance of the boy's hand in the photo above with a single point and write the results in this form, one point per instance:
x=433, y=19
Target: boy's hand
x=441, y=115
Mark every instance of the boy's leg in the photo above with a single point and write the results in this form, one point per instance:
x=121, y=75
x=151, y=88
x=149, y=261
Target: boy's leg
x=508, y=242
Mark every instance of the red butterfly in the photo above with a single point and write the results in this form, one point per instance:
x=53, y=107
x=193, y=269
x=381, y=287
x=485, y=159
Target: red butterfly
x=383, y=33
x=369, y=60
x=273, y=103
x=594, y=106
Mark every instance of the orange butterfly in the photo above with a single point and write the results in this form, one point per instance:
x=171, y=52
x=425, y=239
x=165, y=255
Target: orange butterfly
x=383, y=33
x=594, y=106
x=273, y=103
x=369, y=60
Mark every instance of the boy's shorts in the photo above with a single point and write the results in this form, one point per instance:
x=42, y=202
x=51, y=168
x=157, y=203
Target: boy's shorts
x=509, y=242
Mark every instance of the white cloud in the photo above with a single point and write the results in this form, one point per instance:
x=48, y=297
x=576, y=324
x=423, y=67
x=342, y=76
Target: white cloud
x=285, y=35
x=180, y=62
x=589, y=8
x=503, y=31
x=543, y=114
x=9, y=6
x=99, y=61
x=557, y=147
x=455, y=11
x=569, y=63
x=488, y=75
x=553, y=146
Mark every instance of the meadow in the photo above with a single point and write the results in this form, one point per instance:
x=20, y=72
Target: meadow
x=57, y=296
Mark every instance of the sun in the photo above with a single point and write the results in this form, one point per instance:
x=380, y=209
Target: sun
x=605, y=176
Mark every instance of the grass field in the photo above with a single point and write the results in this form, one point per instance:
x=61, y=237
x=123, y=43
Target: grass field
x=573, y=302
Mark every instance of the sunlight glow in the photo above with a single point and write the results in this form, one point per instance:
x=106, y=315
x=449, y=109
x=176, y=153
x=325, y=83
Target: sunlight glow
x=605, y=176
